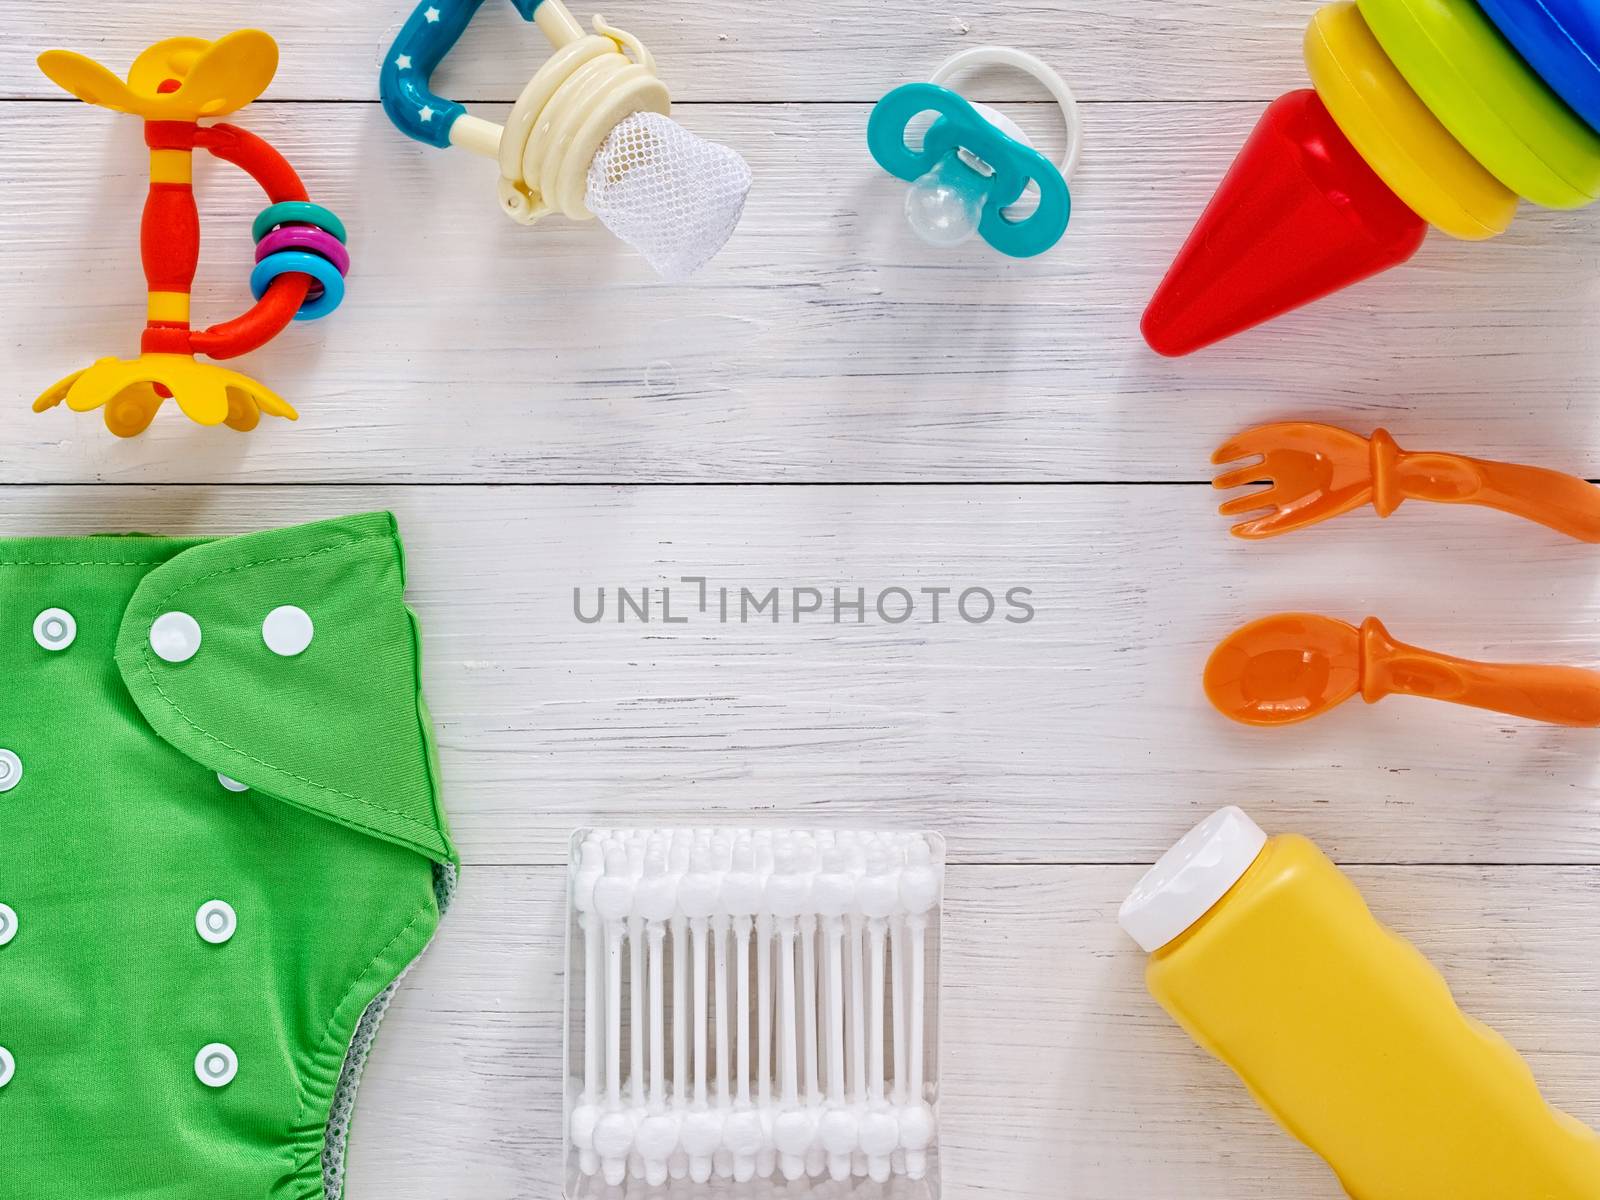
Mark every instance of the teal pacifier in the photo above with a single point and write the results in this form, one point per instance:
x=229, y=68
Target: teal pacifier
x=974, y=163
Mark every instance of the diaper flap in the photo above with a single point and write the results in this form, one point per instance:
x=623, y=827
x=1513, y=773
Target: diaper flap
x=339, y=728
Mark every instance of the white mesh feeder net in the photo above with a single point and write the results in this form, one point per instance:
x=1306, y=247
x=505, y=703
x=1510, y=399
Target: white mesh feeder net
x=674, y=197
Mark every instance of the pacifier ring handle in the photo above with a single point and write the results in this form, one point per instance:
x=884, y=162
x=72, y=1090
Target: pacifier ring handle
x=1021, y=60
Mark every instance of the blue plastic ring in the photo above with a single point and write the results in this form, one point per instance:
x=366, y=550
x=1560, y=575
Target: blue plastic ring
x=299, y=212
x=1560, y=39
x=314, y=265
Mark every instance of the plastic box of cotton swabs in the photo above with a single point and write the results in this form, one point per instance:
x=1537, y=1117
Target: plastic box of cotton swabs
x=753, y=1012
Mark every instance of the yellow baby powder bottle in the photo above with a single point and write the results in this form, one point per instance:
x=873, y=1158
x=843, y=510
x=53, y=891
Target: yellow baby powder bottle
x=1269, y=957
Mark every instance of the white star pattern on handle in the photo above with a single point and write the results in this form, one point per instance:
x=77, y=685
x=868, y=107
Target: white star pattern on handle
x=432, y=15
x=403, y=62
x=426, y=114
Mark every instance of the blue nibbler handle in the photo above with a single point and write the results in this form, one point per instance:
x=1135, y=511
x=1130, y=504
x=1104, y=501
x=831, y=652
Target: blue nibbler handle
x=404, y=84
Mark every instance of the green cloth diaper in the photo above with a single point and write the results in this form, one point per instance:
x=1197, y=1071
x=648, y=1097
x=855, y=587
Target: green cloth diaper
x=220, y=847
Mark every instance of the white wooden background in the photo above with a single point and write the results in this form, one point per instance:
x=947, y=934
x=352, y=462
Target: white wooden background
x=833, y=404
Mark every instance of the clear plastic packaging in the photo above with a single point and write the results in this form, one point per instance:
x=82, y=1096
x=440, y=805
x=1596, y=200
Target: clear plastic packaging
x=752, y=1012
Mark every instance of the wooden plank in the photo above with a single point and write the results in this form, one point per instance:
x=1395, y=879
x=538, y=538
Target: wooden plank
x=725, y=50
x=1061, y=1077
x=825, y=344
x=1080, y=736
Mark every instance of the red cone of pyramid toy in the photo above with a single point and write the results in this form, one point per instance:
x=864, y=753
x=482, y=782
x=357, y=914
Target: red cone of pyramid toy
x=1299, y=216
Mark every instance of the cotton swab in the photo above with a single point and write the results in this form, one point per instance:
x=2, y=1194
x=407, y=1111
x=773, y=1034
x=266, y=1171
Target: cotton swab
x=678, y=861
x=613, y=897
x=721, y=926
x=657, y=900
x=591, y=864
x=808, y=993
x=787, y=894
x=899, y=948
x=919, y=892
x=816, y=1158
x=636, y=997
x=767, y=1156
x=880, y=896
x=702, y=1128
x=741, y=894
x=858, y=987
x=850, y=843
x=835, y=891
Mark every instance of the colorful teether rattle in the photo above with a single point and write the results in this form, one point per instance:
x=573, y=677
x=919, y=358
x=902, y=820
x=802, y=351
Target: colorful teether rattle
x=300, y=256
x=1423, y=114
x=1315, y=472
x=1294, y=666
x=590, y=135
x=974, y=162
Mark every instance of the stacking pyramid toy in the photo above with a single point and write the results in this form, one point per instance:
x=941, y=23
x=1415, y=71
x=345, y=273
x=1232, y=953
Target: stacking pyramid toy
x=1424, y=113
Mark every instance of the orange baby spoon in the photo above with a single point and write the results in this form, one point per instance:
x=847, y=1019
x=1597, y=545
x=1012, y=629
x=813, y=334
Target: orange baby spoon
x=1294, y=666
x=1315, y=472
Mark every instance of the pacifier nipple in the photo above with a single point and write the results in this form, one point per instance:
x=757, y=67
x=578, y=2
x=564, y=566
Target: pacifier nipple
x=945, y=205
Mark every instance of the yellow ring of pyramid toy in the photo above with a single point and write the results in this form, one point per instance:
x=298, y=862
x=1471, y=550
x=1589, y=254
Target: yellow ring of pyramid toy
x=1396, y=132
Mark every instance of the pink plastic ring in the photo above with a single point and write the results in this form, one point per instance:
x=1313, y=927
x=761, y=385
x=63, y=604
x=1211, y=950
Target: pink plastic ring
x=305, y=237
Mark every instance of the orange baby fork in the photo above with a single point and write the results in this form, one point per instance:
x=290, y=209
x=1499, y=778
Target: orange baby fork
x=1315, y=472
x=1294, y=666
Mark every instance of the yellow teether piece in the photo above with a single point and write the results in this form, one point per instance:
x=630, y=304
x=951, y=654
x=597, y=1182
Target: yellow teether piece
x=1397, y=133
x=213, y=78
x=230, y=73
x=130, y=391
x=170, y=58
x=88, y=80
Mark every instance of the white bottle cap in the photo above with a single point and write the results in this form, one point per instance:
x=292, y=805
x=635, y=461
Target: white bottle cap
x=1191, y=877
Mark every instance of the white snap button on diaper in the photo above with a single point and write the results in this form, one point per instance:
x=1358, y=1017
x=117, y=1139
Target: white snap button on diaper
x=55, y=629
x=216, y=1065
x=216, y=921
x=233, y=785
x=175, y=637
x=287, y=630
x=8, y=1066
x=8, y=924
x=10, y=770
